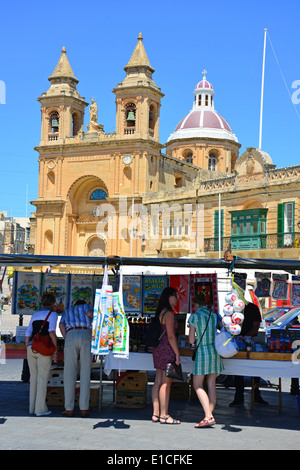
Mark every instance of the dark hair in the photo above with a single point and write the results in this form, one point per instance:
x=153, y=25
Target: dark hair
x=200, y=298
x=48, y=299
x=80, y=302
x=163, y=303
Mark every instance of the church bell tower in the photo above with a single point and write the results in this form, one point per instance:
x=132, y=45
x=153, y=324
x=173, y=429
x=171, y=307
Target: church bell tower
x=62, y=106
x=138, y=99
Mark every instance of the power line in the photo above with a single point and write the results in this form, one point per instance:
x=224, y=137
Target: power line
x=282, y=75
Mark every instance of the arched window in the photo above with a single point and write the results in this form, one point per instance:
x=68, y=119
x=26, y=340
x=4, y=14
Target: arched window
x=50, y=180
x=188, y=156
x=130, y=115
x=98, y=194
x=48, y=241
x=75, y=124
x=151, y=117
x=96, y=247
x=54, y=122
x=212, y=162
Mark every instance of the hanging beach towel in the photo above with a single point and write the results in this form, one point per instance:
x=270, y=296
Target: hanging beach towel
x=121, y=325
x=103, y=318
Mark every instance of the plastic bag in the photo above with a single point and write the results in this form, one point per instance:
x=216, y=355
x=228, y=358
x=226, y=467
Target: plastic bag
x=226, y=344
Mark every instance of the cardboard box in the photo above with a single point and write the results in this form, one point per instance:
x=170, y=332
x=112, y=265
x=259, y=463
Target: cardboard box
x=132, y=381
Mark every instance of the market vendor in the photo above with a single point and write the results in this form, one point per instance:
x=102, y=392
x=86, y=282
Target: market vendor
x=252, y=320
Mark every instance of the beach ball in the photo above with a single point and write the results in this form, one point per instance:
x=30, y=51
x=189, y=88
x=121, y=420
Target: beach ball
x=226, y=321
x=230, y=298
x=228, y=309
x=234, y=329
x=237, y=318
x=238, y=305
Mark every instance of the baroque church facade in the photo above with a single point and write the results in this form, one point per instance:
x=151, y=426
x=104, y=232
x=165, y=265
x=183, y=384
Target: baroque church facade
x=127, y=194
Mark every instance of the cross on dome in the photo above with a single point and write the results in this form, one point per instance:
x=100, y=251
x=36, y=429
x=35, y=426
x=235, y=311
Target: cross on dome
x=204, y=74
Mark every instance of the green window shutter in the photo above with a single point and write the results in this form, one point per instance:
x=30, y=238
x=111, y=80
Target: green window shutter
x=280, y=224
x=216, y=229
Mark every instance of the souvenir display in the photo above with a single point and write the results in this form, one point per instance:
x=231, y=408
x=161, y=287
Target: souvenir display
x=120, y=324
x=81, y=288
x=182, y=285
x=280, y=286
x=207, y=285
x=228, y=309
x=152, y=289
x=295, y=294
x=28, y=292
x=263, y=284
x=132, y=294
x=57, y=284
x=102, y=327
x=233, y=310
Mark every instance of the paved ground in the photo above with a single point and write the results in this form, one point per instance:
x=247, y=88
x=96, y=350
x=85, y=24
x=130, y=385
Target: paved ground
x=131, y=430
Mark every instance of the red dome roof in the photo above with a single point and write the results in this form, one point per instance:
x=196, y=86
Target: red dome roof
x=204, y=84
x=203, y=118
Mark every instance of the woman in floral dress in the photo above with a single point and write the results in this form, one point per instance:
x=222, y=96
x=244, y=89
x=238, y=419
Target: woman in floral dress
x=166, y=351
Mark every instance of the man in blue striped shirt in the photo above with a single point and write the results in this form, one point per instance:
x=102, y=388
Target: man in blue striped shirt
x=76, y=328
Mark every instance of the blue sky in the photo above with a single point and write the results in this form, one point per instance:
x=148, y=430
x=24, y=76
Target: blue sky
x=181, y=40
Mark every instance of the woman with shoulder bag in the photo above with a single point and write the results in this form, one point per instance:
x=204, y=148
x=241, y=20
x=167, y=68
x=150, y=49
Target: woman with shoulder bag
x=44, y=323
x=167, y=351
x=207, y=361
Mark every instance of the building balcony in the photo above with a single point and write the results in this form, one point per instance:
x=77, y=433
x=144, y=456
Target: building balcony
x=254, y=242
x=176, y=244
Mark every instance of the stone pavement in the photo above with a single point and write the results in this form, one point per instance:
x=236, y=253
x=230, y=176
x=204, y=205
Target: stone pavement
x=114, y=428
x=131, y=430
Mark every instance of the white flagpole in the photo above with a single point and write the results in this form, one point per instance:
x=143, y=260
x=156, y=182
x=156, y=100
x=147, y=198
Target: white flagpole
x=219, y=226
x=262, y=91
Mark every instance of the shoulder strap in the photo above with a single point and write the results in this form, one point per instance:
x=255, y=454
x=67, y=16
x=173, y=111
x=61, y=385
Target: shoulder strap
x=45, y=320
x=204, y=331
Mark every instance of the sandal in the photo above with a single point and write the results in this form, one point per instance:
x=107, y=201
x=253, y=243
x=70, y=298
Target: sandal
x=155, y=420
x=205, y=423
x=68, y=413
x=174, y=421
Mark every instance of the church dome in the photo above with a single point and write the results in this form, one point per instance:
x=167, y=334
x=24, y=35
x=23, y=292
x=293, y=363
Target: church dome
x=203, y=121
x=204, y=84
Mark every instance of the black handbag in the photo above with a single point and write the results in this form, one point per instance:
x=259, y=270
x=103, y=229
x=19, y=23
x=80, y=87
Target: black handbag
x=195, y=350
x=174, y=371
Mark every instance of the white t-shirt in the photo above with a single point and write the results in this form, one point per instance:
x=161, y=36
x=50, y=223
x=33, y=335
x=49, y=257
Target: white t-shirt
x=37, y=319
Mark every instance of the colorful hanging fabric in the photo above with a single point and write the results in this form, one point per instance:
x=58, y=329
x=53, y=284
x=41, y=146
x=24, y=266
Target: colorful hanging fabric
x=103, y=321
x=121, y=325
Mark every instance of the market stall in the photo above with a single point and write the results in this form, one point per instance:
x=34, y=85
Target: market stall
x=140, y=294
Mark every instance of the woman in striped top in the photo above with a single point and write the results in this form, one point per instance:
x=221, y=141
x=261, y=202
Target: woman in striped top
x=208, y=363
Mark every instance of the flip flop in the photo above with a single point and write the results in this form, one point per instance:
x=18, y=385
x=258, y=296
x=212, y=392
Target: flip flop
x=205, y=423
x=174, y=421
x=155, y=420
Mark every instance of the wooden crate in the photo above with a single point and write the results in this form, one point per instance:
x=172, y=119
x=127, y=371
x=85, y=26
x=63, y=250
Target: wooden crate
x=131, y=399
x=56, y=396
x=131, y=381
